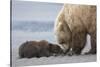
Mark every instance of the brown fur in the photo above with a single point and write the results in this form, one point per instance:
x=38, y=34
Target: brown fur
x=55, y=49
x=73, y=23
x=42, y=48
x=31, y=49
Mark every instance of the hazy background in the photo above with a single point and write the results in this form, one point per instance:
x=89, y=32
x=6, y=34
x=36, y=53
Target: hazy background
x=33, y=21
x=30, y=11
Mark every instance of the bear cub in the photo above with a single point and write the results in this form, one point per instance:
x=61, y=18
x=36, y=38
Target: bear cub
x=38, y=49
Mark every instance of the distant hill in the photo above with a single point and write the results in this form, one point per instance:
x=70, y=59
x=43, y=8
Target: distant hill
x=33, y=26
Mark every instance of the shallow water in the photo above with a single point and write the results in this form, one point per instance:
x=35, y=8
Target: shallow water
x=18, y=37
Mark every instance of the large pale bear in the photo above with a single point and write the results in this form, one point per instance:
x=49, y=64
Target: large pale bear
x=72, y=25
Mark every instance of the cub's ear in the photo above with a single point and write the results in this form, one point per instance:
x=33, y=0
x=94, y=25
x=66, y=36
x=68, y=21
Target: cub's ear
x=27, y=41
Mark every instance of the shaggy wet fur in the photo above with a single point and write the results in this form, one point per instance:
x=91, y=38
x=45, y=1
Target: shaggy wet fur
x=72, y=25
x=38, y=49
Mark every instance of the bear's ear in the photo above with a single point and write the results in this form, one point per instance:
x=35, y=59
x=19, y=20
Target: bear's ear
x=27, y=41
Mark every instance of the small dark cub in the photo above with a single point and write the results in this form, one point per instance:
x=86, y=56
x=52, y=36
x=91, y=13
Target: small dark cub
x=38, y=49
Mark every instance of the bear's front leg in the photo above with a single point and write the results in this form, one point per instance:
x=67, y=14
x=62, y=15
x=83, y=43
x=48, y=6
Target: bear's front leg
x=78, y=43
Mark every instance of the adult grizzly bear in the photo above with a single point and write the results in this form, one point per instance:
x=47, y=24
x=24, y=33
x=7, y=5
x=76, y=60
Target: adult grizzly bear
x=72, y=25
x=42, y=48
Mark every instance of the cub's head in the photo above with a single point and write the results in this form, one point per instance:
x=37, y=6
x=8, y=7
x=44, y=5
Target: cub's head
x=55, y=49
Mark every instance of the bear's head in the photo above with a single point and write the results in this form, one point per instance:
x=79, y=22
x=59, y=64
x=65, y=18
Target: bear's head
x=63, y=36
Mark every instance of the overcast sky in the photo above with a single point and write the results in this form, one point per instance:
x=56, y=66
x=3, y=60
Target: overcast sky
x=30, y=11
